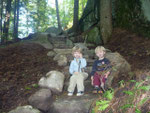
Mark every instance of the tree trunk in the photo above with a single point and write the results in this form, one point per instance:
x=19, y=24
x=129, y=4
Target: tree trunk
x=15, y=5
x=27, y=22
x=57, y=12
x=1, y=18
x=105, y=20
x=75, y=18
x=17, y=23
x=6, y=22
x=38, y=16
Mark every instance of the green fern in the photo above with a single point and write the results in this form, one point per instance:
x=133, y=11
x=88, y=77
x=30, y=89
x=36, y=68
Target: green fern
x=128, y=92
x=102, y=104
x=109, y=94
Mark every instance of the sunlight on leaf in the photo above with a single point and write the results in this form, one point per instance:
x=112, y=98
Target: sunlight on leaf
x=137, y=84
x=103, y=107
x=143, y=101
x=102, y=102
x=132, y=80
x=128, y=92
x=146, y=88
x=137, y=110
x=28, y=88
x=127, y=106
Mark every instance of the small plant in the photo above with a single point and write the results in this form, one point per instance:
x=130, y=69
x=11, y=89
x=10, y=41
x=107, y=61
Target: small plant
x=101, y=105
x=122, y=83
x=109, y=94
x=27, y=88
x=35, y=85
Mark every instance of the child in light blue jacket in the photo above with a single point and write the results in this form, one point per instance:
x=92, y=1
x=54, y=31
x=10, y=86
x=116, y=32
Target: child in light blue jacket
x=78, y=75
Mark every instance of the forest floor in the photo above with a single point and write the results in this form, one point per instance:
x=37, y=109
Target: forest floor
x=23, y=64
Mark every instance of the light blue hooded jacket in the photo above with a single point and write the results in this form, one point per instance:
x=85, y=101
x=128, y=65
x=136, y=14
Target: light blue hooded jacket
x=74, y=65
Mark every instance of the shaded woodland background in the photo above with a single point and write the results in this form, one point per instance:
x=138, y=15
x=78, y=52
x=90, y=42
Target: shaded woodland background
x=19, y=18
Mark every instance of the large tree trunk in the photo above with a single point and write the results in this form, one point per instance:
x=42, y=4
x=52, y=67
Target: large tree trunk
x=6, y=22
x=75, y=18
x=105, y=20
x=57, y=12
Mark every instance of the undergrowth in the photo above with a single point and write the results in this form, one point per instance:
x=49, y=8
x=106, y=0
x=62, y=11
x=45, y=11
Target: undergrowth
x=132, y=101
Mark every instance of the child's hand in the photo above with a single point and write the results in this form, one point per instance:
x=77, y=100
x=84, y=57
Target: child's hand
x=106, y=74
x=75, y=73
x=81, y=56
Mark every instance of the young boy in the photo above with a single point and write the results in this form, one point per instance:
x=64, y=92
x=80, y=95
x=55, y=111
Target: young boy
x=100, y=70
x=76, y=70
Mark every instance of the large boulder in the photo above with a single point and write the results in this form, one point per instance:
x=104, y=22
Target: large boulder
x=94, y=36
x=42, y=99
x=72, y=104
x=25, y=109
x=42, y=39
x=54, y=80
x=119, y=67
x=53, y=30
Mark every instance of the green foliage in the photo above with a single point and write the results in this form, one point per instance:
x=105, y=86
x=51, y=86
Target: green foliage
x=146, y=88
x=132, y=81
x=137, y=110
x=32, y=86
x=128, y=92
x=126, y=106
x=28, y=88
x=38, y=15
x=109, y=94
x=134, y=93
x=101, y=105
x=122, y=83
x=35, y=85
x=128, y=14
x=143, y=101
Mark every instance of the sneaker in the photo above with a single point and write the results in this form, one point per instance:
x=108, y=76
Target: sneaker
x=97, y=90
x=70, y=93
x=80, y=93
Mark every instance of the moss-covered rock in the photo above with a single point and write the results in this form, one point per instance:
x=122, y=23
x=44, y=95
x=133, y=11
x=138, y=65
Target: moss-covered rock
x=94, y=36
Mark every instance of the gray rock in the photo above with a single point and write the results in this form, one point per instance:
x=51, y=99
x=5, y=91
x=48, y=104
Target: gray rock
x=82, y=46
x=120, y=66
x=41, y=99
x=25, y=109
x=53, y=30
x=73, y=104
x=42, y=39
x=62, y=51
x=62, y=61
x=54, y=80
x=51, y=54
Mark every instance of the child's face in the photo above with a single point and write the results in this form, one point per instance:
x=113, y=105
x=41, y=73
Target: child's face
x=100, y=54
x=77, y=54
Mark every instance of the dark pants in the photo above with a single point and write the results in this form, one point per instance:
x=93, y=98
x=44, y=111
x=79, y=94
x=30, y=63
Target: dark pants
x=98, y=79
